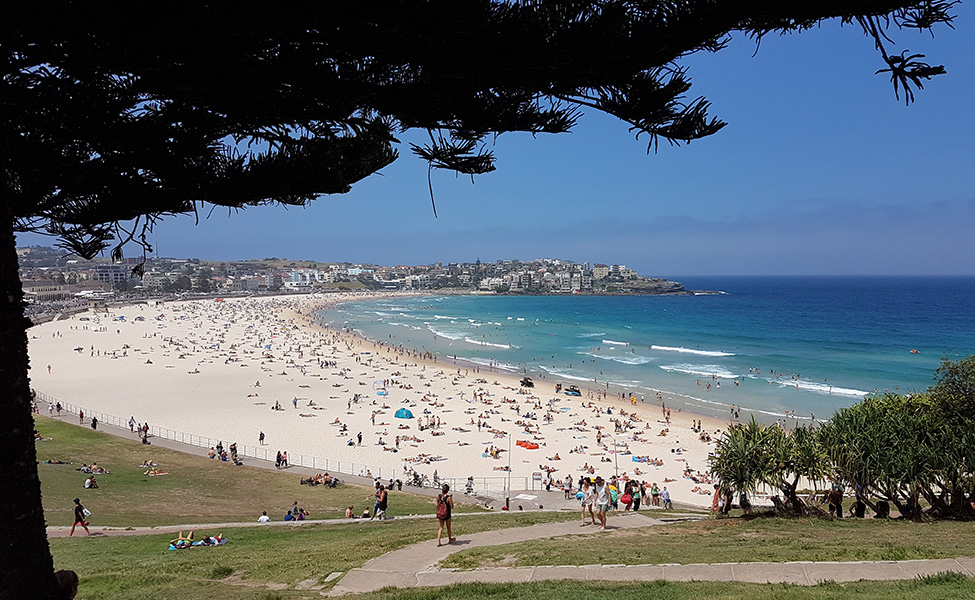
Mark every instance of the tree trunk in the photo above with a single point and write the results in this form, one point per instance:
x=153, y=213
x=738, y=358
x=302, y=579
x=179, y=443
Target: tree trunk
x=865, y=498
x=792, y=498
x=26, y=566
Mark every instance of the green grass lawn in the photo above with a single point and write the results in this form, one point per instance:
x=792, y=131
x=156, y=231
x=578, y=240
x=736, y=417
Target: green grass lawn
x=256, y=561
x=942, y=587
x=197, y=490
x=737, y=540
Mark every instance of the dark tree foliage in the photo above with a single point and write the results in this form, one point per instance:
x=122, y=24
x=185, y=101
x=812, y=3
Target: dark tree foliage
x=112, y=118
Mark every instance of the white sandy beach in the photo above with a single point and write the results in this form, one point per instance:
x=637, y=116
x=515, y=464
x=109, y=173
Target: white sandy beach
x=217, y=368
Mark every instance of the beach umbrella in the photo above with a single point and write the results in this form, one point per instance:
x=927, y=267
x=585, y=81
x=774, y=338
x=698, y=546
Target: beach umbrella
x=404, y=413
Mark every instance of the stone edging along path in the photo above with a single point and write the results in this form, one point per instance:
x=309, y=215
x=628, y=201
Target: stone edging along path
x=415, y=566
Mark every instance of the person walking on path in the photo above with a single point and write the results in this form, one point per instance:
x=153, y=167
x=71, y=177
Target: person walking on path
x=81, y=417
x=79, y=517
x=445, y=505
x=382, y=498
x=132, y=424
x=260, y=438
x=602, y=501
x=588, y=498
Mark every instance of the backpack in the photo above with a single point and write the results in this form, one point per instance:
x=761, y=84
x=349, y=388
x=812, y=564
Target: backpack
x=441, y=508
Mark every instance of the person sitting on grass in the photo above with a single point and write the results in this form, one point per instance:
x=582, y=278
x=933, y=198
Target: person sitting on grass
x=90, y=483
x=349, y=514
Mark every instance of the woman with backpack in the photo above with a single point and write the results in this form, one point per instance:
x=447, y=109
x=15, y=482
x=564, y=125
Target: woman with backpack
x=445, y=505
x=80, y=517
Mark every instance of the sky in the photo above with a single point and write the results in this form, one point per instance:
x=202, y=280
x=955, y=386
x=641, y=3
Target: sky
x=820, y=171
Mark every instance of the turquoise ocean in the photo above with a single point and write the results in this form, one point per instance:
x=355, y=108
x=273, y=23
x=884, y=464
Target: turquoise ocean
x=806, y=344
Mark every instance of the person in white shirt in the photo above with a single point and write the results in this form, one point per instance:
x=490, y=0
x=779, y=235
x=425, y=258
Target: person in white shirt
x=263, y=518
x=602, y=501
x=587, y=500
x=665, y=496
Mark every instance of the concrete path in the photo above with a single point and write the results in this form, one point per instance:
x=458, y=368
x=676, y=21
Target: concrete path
x=210, y=528
x=415, y=566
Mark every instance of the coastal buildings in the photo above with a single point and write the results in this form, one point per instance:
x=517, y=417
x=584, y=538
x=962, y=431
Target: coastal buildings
x=53, y=273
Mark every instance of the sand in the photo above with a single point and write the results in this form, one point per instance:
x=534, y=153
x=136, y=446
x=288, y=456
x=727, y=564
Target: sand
x=218, y=368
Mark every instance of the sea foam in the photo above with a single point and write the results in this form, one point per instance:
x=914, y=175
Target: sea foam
x=690, y=351
x=700, y=370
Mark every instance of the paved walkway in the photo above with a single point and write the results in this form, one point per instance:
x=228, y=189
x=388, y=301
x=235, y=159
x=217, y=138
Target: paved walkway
x=415, y=566
x=63, y=530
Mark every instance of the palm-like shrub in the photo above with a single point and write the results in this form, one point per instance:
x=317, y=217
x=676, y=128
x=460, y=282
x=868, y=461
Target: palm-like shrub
x=752, y=455
x=915, y=452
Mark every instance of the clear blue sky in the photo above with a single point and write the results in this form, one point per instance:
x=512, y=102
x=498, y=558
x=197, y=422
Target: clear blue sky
x=820, y=171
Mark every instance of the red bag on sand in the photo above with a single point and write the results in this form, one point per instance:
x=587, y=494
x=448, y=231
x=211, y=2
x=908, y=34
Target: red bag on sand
x=441, y=508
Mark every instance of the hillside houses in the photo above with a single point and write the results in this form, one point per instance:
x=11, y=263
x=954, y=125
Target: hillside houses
x=53, y=273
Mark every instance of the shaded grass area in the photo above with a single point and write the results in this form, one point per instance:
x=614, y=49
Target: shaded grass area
x=197, y=489
x=737, y=540
x=258, y=562
x=939, y=587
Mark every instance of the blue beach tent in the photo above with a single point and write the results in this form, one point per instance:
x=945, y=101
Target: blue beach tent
x=404, y=413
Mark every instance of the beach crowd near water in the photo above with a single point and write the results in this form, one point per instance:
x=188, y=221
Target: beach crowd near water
x=263, y=370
